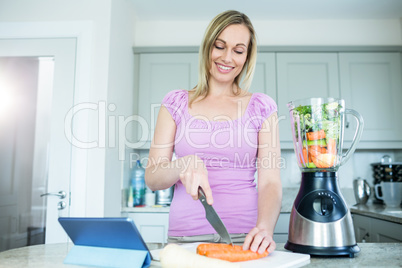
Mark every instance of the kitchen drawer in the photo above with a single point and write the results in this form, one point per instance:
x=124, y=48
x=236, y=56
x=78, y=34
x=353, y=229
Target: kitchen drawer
x=368, y=229
x=385, y=231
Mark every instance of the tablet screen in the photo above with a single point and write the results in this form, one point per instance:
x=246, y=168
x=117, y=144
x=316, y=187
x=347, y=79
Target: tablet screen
x=104, y=232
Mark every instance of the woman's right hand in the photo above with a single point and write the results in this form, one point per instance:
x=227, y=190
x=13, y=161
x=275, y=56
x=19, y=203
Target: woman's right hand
x=194, y=174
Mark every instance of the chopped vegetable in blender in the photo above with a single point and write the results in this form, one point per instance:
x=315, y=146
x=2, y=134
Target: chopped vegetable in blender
x=320, y=134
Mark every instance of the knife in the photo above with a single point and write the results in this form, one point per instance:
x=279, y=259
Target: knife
x=213, y=218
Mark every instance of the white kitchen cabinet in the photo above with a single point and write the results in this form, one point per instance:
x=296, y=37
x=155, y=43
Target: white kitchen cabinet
x=153, y=226
x=362, y=226
x=369, y=229
x=300, y=76
x=264, y=80
x=160, y=73
x=371, y=85
x=385, y=231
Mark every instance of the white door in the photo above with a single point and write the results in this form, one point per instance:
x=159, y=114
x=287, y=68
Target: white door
x=36, y=156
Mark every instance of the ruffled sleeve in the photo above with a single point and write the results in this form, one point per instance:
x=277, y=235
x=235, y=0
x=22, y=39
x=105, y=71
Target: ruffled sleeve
x=176, y=102
x=261, y=107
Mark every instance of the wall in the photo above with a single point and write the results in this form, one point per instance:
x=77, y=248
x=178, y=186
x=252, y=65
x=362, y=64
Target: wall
x=121, y=94
x=286, y=32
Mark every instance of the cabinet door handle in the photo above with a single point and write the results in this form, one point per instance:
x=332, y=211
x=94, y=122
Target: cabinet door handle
x=367, y=235
x=60, y=194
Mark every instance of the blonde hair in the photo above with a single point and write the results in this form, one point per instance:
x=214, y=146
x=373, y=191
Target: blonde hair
x=214, y=29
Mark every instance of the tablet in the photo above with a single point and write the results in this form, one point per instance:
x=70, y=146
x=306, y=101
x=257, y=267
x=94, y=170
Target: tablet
x=104, y=232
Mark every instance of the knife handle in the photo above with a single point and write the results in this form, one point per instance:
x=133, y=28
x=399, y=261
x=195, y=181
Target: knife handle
x=201, y=193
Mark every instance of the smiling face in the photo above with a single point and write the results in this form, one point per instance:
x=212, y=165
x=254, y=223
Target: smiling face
x=229, y=53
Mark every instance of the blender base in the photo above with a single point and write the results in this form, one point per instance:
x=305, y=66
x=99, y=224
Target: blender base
x=323, y=251
x=320, y=221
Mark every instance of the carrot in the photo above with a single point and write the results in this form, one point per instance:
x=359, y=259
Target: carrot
x=331, y=146
x=304, y=155
x=327, y=160
x=316, y=135
x=235, y=255
x=315, y=150
x=203, y=248
x=316, y=162
x=324, y=160
x=306, y=161
x=227, y=252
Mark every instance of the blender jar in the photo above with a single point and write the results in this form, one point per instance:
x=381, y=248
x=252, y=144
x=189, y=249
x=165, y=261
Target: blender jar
x=317, y=129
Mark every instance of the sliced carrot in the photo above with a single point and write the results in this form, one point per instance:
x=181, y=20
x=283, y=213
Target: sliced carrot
x=235, y=255
x=315, y=150
x=304, y=155
x=203, y=248
x=324, y=160
x=316, y=135
x=331, y=146
x=316, y=162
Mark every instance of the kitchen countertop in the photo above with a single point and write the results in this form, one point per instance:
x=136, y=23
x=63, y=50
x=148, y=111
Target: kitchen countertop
x=147, y=209
x=378, y=211
x=52, y=255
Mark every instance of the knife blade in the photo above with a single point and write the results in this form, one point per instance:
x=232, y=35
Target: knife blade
x=214, y=219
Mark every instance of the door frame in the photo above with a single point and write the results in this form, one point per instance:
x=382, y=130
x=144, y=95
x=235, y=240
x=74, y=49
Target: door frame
x=82, y=32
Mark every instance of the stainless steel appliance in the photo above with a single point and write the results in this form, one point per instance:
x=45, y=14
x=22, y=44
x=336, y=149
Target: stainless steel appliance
x=164, y=197
x=386, y=171
x=320, y=221
x=362, y=191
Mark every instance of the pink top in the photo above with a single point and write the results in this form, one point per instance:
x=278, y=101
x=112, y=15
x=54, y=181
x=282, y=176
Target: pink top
x=229, y=151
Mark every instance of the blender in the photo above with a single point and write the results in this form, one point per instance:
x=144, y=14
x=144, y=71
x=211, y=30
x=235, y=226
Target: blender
x=320, y=221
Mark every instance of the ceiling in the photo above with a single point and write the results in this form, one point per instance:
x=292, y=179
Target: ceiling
x=190, y=10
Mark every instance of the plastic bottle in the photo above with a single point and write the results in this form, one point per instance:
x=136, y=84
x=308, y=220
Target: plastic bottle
x=138, y=184
x=130, y=199
x=149, y=197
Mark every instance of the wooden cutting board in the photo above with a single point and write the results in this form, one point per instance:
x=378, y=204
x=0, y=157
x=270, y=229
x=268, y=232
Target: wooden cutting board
x=277, y=259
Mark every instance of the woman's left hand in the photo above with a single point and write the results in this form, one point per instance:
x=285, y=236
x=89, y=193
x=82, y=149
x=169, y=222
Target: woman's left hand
x=259, y=240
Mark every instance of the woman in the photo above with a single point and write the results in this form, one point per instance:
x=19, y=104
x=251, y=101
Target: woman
x=221, y=135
